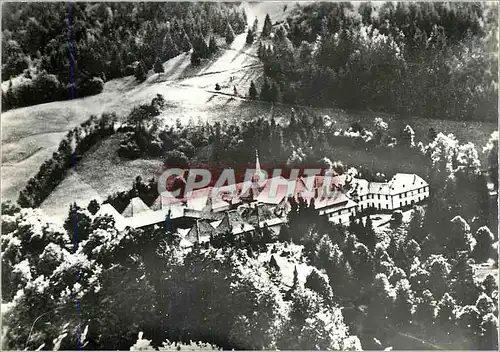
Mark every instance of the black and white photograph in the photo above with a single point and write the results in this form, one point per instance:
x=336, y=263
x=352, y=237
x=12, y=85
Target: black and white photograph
x=266, y=175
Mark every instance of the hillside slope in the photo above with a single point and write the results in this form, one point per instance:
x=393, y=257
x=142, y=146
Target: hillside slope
x=30, y=135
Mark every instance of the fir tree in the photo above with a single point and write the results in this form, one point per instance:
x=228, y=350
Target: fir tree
x=185, y=44
x=274, y=93
x=261, y=51
x=255, y=25
x=489, y=285
x=93, y=207
x=158, y=66
x=78, y=223
x=370, y=236
x=252, y=92
x=116, y=65
x=212, y=46
x=169, y=48
x=266, y=30
x=284, y=235
x=265, y=91
x=229, y=34
x=273, y=264
x=295, y=278
x=250, y=37
x=195, y=58
x=140, y=72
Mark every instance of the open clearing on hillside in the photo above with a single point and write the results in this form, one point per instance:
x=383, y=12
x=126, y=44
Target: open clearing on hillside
x=30, y=135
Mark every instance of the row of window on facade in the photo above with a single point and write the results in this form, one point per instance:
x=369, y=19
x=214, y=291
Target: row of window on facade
x=401, y=195
x=371, y=205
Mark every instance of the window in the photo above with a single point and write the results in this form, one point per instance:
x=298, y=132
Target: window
x=379, y=197
x=387, y=206
x=340, y=221
x=386, y=197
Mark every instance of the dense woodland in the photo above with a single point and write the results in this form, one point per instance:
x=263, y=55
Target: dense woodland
x=69, y=50
x=436, y=60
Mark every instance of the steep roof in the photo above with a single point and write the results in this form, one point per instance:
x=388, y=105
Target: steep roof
x=156, y=217
x=382, y=188
x=201, y=231
x=135, y=207
x=275, y=190
x=360, y=186
x=225, y=224
x=242, y=228
x=405, y=182
x=108, y=209
x=337, y=198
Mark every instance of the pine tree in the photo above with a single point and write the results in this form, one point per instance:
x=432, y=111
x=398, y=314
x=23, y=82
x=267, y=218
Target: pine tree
x=274, y=93
x=116, y=65
x=370, y=236
x=273, y=264
x=169, y=48
x=158, y=66
x=93, y=207
x=318, y=284
x=229, y=34
x=265, y=91
x=78, y=223
x=284, y=235
x=140, y=72
x=252, y=92
x=266, y=30
x=489, y=285
x=185, y=44
x=250, y=37
x=261, y=51
x=295, y=278
x=212, y=46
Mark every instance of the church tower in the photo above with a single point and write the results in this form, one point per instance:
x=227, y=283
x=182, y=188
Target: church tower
x=259, y=176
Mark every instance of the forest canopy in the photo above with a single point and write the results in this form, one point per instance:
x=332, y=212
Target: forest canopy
x=435, y=60
x=88, y=43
